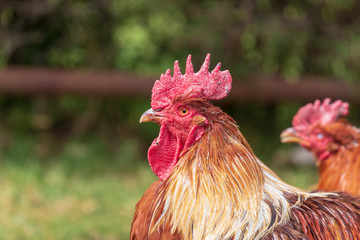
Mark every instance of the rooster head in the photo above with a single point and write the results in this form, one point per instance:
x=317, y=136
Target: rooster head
x=309, y=126
x=179, y=105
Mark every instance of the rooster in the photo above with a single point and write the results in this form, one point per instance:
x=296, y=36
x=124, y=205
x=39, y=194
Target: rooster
x=212, y=186
x=321, y=128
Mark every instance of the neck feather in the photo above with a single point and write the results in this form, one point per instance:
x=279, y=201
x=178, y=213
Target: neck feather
x=219, y=190
x=340, y=171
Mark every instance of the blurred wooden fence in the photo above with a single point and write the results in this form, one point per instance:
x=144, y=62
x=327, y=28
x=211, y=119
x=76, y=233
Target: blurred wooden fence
x=253, y=88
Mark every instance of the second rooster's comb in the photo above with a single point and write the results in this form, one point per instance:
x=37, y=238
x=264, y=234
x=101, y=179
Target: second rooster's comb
x=203, y=84
x=320, y=113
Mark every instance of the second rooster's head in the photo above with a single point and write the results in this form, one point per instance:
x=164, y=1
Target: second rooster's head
x=180, y=106
x=310, y=127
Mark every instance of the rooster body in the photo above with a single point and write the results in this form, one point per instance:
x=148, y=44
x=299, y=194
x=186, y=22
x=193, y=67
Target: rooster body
x=302, y=223
x=333, y=141
x=212, y=186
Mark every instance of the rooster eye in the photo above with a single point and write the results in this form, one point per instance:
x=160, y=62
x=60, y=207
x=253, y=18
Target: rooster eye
x=183, y=111
x=320, y=136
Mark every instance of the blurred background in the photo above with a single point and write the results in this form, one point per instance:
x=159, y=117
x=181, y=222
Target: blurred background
x=76, y=76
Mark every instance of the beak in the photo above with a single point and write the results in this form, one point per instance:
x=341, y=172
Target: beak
x=151, y=116
x=289, y=135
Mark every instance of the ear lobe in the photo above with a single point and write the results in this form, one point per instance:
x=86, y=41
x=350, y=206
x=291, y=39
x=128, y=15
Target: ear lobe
x=333, y=147
x=194, y=135
x=200, y=120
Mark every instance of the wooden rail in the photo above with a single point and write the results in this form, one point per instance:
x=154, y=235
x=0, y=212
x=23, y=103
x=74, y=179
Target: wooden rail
x=253, y=88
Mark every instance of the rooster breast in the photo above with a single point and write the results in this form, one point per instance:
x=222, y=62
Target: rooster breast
x=140, y=227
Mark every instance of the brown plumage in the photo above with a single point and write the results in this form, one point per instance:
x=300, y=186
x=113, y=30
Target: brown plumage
x=212, y=186
x=321, y=218
x=142, y=218
x=341, y=171
x=334, y=143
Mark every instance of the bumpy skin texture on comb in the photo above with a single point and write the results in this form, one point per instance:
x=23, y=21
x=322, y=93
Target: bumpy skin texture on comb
x=203, y=84
x=320, y=113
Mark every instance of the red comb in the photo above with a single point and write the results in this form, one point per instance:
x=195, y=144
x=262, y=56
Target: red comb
x=318, y=113
x=203, y=84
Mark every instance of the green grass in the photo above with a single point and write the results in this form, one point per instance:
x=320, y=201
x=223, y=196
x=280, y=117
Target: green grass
x=84, y=191
x=51, y=205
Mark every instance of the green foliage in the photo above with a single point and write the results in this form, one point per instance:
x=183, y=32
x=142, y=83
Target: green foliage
x=134, y=43
x=293, y=38
x=69, y=58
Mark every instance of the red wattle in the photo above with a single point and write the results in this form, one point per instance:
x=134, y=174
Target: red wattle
x=164, y=153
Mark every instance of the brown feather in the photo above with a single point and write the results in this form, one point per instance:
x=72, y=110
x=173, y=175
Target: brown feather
x=333, y=217
x=140, y=227
x=341, y=171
